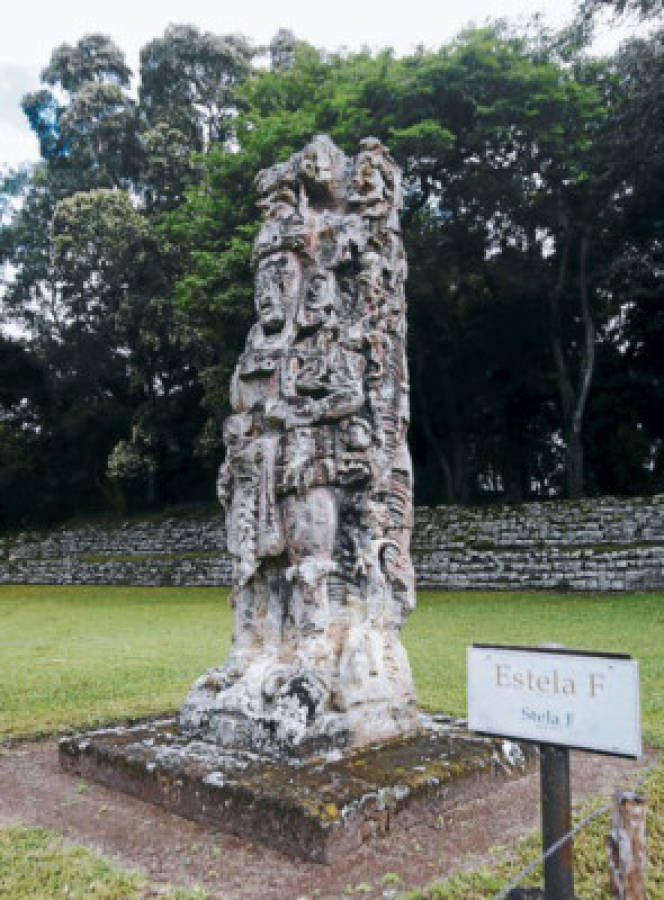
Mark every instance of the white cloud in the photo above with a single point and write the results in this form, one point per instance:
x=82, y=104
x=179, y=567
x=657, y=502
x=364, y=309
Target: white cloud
x=18, y=144
x=28, y=35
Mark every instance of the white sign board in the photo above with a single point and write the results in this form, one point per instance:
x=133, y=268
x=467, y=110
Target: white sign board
x=569, y=698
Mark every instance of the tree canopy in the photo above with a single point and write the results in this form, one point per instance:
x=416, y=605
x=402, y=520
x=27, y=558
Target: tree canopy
x=532, y=224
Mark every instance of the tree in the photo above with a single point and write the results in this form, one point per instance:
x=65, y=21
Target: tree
x=22, y=394
x=644, y=9
x=532, y=223
x=98, y=241
x=189, y=81
x=443, y=114
x=99, y=136
x=29, y=289
x=578, y=185
x=168, y=169
x=635, y=247
x=91, y=284
x=89, y=135
x=282, y=50
x=87, y=142
x=94, y=58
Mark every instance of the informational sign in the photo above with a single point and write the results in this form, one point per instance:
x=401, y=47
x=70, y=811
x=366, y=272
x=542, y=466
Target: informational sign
x=565, y=697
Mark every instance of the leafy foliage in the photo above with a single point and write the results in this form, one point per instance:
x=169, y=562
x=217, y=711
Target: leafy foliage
x=532, y=225
x=189, y=79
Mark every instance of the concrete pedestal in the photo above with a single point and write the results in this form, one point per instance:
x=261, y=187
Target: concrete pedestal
x=317, y=809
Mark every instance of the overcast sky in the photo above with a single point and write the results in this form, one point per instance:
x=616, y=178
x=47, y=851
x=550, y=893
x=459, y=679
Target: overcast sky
x=31, y=30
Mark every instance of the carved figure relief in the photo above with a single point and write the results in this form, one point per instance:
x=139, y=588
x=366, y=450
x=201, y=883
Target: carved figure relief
x=317, y=481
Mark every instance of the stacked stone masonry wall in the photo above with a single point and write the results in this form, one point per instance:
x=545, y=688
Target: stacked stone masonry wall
x=603, y=544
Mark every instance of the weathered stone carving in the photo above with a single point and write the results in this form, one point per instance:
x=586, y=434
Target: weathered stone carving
x=317, y=481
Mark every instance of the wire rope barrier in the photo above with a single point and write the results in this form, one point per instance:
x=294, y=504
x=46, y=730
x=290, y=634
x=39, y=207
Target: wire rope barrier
x=504, y=893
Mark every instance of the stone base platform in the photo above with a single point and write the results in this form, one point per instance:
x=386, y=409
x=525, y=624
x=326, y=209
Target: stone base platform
x=318, y=809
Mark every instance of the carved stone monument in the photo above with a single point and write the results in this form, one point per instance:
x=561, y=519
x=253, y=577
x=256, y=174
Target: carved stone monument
x=316, y=485
x=317, y=480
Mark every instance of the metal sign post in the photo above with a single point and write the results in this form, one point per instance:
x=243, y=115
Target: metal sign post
x=556, y=800
x=559, y=699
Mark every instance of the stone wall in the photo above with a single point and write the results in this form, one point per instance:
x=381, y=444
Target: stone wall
x=177, y=550
x=604, y=544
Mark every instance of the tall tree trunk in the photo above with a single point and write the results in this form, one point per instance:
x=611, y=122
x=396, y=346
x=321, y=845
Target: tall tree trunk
x=432, y=439
x=460, y=469
x=573, y=402
x=573, y=464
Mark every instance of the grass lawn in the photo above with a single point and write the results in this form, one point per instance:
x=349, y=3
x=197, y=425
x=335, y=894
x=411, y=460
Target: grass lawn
x=82, y=655
x=446, y=623
x=590, y=866
x=37, y=863
x=72, y=656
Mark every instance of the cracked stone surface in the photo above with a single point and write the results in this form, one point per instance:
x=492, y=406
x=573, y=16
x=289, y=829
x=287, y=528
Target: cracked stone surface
x=319, y=808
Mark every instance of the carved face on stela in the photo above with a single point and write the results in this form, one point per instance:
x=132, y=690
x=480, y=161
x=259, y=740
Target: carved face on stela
x=277, y=289
x=373, y=178
x=280, y=298
x=318, y=307
x=320, y=166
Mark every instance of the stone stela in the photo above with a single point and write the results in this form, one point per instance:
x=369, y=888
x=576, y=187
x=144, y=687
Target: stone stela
x=317, y=479
x=308, y=737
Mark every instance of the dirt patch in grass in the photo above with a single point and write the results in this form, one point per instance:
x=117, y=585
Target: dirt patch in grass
x=172, y=850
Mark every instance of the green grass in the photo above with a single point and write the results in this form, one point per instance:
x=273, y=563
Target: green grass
x=75, y=656
x=445, y=624
x=36, y=863
x=591, y=878
x=72, y=656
